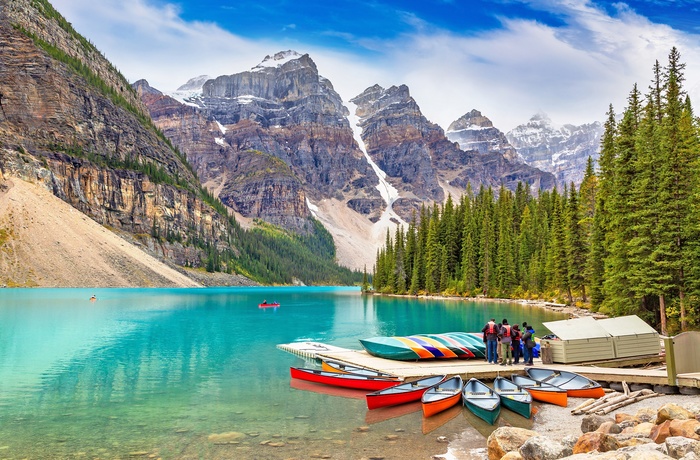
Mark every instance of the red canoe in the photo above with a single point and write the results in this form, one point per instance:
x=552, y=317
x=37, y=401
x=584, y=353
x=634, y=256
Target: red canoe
x=360, y=382
x=402, y=393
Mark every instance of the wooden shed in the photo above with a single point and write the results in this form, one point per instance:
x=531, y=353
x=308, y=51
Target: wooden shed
x=631, y=336
x=578, y=340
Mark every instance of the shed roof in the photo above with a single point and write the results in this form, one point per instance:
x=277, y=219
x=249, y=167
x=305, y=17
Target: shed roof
x=577, y=328
x=626, y=325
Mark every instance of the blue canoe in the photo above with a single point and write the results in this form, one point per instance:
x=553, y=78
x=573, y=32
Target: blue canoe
x=461, y=345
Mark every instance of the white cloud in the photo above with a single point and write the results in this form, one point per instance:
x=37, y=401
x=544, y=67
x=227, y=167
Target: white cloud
x=570, y=72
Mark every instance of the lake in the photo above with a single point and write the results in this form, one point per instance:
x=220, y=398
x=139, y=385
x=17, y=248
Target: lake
x=195, y=373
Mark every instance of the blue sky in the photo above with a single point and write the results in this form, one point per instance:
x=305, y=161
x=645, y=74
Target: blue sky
x=509, y=59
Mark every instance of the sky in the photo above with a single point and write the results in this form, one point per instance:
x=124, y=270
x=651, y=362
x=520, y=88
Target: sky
x=509, y=59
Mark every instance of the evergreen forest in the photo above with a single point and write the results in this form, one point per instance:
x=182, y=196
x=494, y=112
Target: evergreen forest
x=626, y=241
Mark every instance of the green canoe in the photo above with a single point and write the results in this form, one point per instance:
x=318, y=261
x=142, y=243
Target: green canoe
x=481, y=400
x=513, y=397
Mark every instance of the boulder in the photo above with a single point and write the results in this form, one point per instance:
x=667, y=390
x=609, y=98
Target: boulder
x=543, y=448
x=612, y=455
x=644, y=428
x=660, y=432
x=591, y=441
x=646, y=414
x=622, y=417
x=678, y=446
x=690, y=456
x=672, y=411
x=512, y=455
x=609, y=427
x=592, y=422
x=685, y=428
x=226, y=438
x=506, y=439
x=633, y=442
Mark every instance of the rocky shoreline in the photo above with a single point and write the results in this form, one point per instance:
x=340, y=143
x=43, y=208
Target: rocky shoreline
x=667, y=431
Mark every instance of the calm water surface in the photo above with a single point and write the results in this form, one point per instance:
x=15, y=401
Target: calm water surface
x=156, y=372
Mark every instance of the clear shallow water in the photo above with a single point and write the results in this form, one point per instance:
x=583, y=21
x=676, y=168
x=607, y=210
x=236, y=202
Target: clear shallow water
x=156, y=372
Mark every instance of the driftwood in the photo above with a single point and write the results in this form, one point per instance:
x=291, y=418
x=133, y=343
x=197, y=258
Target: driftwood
x=583, y=405
x=644, y=394
x=612, y=401
x=589, y=409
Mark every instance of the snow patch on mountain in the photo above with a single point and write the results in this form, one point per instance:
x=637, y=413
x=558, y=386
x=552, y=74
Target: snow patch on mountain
x=388, y=192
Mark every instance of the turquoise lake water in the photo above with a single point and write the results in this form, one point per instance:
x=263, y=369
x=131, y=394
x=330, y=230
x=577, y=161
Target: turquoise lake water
x=195, y=373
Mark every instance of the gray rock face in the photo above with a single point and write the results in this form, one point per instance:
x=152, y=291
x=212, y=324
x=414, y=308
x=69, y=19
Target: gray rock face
x=283, y=90
x=268, y=138
x=562, y=151
x=420, y=161
x=475, y=132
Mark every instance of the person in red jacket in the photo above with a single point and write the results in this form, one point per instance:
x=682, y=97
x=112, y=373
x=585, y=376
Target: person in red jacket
x=491, y=331
x=506, y=336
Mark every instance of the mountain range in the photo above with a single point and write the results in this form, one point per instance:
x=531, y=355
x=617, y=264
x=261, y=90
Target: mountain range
x=275, y=144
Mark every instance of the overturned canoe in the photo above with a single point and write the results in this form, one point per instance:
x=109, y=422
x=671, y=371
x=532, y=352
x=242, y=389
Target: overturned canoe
x=460, y=345
x=481, y=400
x=443, y=396
x=576, y=385
x=541, y=391
x=513, y=397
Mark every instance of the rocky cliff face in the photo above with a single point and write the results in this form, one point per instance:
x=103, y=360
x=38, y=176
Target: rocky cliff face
x=563, y=151
x=84, y=134
x=421, y=162
x=269, y=139
x=475, y=132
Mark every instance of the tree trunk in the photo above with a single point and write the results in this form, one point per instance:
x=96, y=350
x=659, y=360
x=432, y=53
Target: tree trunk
x=684, y=323
x=662, y=312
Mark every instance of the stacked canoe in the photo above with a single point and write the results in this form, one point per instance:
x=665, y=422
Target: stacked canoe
x=462, y=345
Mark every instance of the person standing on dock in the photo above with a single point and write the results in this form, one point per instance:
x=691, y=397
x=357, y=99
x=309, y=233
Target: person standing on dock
x=528, y=344
x=506, y=336
x=516, y=343
x=490, y=332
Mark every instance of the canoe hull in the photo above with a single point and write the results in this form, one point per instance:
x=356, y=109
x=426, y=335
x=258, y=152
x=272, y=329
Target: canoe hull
x=359, y=382
x=460, y=345
x=481, y=401
x=551, y=397
x=541, y=391
x=513, y=397
x=341, y=368
x=402, y=393
x=576, y=385
x=442, y=397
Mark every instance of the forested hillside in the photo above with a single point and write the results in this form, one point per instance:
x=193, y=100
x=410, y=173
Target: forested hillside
x=627, y=241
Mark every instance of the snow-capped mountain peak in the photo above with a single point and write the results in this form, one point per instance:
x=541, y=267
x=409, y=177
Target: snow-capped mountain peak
x=277, y=59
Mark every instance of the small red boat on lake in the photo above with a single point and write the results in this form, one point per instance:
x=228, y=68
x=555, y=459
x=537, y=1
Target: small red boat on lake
x=360, y=382
x=402, y=393
x=269, y=305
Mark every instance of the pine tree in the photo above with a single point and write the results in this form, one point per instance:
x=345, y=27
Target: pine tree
x=598, y=248
x=575, y=247
x=674, y=194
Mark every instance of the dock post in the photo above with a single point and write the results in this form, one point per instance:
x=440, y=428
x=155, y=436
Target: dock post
x=670, y=361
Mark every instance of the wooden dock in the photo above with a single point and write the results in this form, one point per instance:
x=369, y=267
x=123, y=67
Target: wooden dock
x=479, y=368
